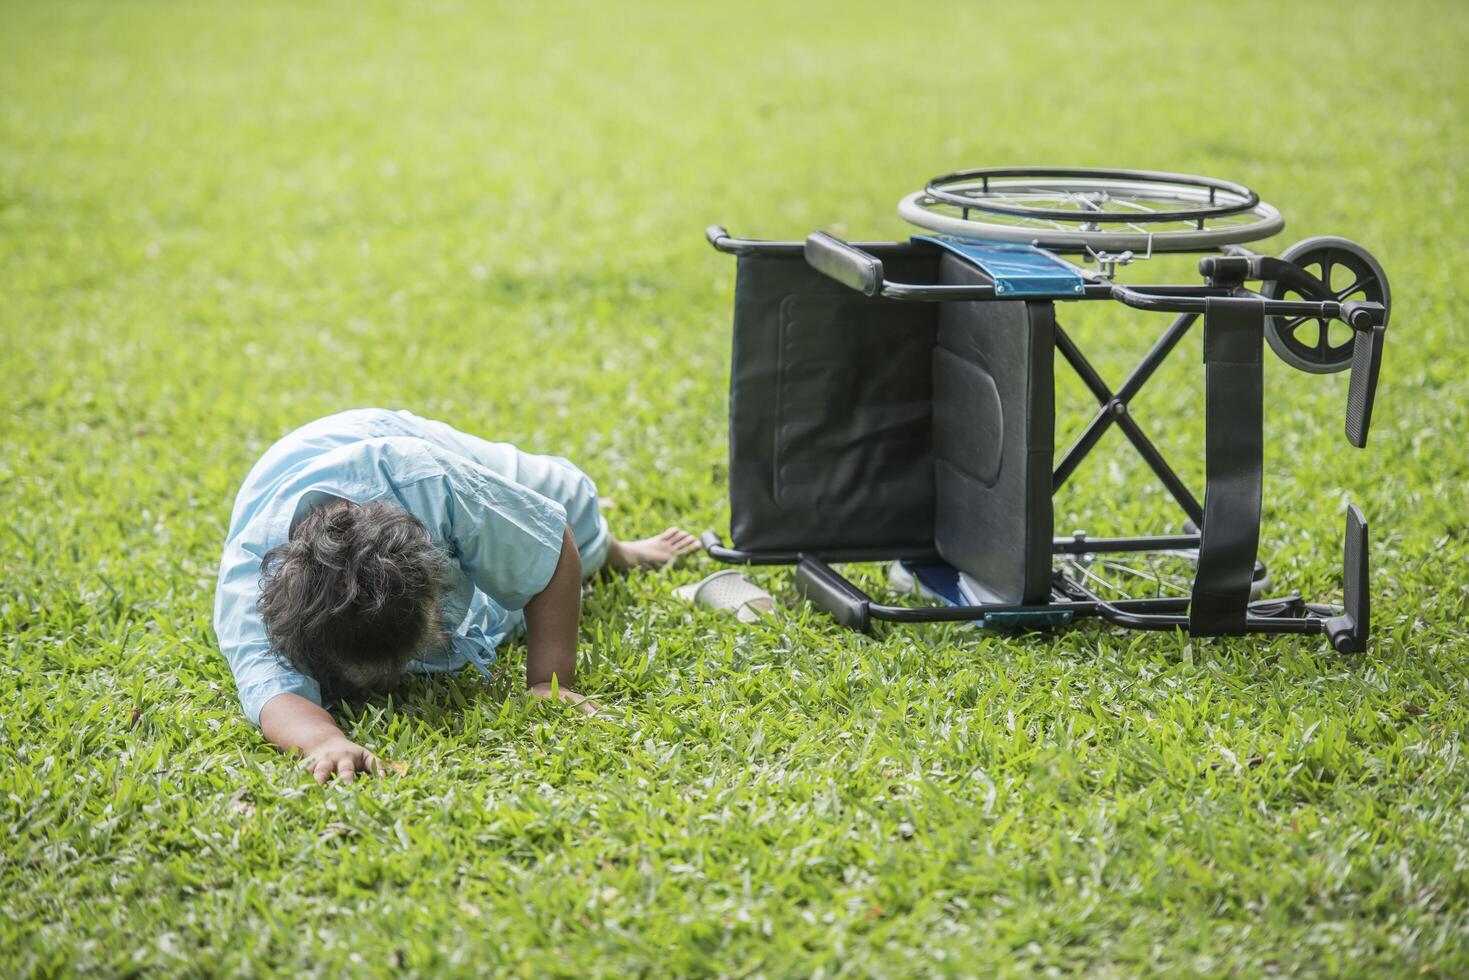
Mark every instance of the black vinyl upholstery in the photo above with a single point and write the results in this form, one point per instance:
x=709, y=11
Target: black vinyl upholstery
x=994, y=425
x=830, y=410
x=870, y=424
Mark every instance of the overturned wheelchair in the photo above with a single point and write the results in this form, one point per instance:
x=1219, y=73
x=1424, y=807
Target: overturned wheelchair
x=895, y=401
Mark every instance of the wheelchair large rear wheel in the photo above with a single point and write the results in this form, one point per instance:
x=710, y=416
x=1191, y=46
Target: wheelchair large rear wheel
x=1077, y=210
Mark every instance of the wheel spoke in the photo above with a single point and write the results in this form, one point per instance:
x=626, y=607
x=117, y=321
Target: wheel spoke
x=1026, y=219
x=1152, y=575
x=1136, y=205
x=1354, y=287
x=1084, y=203
x=1103, y=583
x=1029, y=199
x=1356, y=275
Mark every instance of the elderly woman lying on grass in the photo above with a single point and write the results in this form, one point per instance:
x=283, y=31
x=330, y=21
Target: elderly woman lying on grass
x=372, y=542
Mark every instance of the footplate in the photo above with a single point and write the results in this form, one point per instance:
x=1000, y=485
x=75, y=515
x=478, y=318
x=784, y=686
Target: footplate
x=1348, y=632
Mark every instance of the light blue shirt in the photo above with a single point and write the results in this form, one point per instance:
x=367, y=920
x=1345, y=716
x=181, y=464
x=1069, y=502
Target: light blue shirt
x=498, y=513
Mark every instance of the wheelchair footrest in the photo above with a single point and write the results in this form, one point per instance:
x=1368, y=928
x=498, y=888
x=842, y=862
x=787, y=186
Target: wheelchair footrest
x=1349, y=631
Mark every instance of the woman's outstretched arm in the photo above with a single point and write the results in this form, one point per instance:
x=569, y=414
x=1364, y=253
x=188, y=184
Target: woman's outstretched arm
x=552, y=621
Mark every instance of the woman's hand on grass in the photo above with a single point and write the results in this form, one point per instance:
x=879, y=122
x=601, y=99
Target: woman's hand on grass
x=302, y=727
x=341, y=757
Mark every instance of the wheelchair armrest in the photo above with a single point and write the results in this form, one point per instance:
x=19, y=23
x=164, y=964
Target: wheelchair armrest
x=845, y=263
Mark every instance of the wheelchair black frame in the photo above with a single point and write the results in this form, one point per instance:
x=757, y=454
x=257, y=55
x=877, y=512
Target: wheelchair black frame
x=1225, y=274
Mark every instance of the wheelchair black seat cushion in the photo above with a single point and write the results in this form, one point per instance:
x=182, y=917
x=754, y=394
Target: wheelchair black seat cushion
x=994, y=440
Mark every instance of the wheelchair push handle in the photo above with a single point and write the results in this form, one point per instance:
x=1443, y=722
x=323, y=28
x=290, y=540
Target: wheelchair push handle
x=717, y=235
x=845, y=263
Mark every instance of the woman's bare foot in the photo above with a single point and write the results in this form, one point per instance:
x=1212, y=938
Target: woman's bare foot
x=654, y=552
x=580, y=702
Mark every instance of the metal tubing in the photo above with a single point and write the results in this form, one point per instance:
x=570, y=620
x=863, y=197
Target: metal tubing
x=1155, y=357
x=1165, y=298
x=1114, y=409
x=1115, y=613
x=1083, y=367
x=719, y=237
x=936, y=614
x=1084, y=444
x=1253, y=624
x=1137, y=297
x=1161, y=469
x=714, y=545
x=963, y=614
x=1162, y=613
x=1103, y=546
x=734, y=556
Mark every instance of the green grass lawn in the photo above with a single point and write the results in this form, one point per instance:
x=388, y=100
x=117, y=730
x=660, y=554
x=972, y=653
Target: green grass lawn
x=220, y=221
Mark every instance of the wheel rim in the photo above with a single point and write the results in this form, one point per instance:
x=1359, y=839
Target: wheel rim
x=1076, y=210
x=1098, y=195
